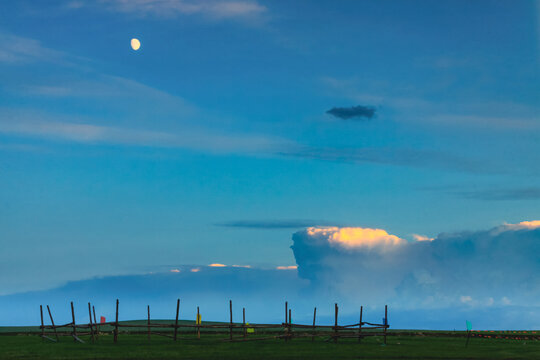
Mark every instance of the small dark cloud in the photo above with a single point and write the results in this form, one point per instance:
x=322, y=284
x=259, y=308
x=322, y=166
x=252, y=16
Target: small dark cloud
x=353, y=112
x=274, y=224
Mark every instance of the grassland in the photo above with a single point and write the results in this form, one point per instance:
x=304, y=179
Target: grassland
x=211, y=346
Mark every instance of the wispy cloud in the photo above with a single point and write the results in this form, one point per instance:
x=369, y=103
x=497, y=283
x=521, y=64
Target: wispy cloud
x=200, y=139
x=20, y=50
x=490, y=194
x=273, y=224
x=215, y=9
x=353, y=112
x=389, y=156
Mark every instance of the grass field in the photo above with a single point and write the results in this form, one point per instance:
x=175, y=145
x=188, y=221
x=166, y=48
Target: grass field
x=211, y=346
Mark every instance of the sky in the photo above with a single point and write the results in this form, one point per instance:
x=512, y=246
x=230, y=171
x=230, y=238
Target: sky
x=310, y=142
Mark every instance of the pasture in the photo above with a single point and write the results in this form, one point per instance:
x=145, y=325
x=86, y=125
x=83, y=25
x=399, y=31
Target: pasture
x=25, y=343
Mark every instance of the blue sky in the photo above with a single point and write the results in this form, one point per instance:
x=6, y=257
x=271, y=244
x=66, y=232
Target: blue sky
x=214, y=143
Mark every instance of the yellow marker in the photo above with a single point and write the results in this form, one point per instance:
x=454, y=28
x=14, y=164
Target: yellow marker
x=198, y=321
x=250, y=330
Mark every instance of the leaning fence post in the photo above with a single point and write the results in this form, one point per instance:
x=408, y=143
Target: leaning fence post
x=42, y=325
x=336, y=323
x=148, y=322
x=360, y=325
x=314, y=315
x=231, y=325
x=95, y=321
x=176, y=321
x=116, y=323
x=73, y=323
x=52, y=322
x=91, y=327
x=385, y=321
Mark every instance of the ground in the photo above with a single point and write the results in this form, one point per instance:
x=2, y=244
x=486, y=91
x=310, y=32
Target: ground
x=212, y=346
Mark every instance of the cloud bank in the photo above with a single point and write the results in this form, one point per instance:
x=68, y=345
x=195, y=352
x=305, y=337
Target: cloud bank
x=354, y=112
x=483, y=268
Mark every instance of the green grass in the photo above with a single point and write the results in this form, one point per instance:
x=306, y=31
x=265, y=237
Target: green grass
x=211, y=346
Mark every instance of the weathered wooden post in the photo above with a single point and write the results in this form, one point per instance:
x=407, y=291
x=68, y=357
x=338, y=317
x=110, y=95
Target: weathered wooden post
x=90, y=323
x=95, y=321
x=385, y=321
x=360, y=325
x=176, y=321
x=286, y=321
x=73, y=323
x=231, y=325
x=290, y=324
x=116, y=323
x=198, y=322
x=148, y=308
x=42, y=325
x=336, y=323
x=52, y=322
x=314, y=316
x=244, y=321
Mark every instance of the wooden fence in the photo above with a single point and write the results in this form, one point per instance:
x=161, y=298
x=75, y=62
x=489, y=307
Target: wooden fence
x=287, y=330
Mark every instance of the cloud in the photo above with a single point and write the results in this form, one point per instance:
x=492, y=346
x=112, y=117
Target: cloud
x=354, y=112
x=32, y=124
x=272, y=224
x=397, y=156
x=288, y=267
x=525, y=193
x=417, y=237
x=217, y=265
x=474, y=266
x=215, y=9
x=19, y=50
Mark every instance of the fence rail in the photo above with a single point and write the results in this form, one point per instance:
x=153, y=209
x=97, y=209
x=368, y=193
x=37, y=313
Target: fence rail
x=244, y=331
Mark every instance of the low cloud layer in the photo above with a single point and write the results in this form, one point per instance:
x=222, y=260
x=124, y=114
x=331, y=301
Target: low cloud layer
x=353, y=113
x=475, y=269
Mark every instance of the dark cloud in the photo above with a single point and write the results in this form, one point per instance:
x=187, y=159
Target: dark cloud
x=388, y=156
x=273, y=224
x=354, y=112
x=532, y=193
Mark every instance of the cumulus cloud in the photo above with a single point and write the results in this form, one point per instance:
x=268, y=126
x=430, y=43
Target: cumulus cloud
x=354, y=112
x=217, y=265
x=449, y=270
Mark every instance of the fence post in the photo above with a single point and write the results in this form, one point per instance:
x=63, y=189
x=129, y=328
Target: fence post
x=336, y=323
x=314, y=315
x=360, y=325
x=73, y=323
x=385, y=321
x=198, y=322
x=286, y=321
x=95, y=321
x=52, y=322
x=230, y=326
x=116, y=323
x=42, y=325
x=176, y=321
x=91, y=327
x=148, y=322
x=290, y=324
x=244, y=321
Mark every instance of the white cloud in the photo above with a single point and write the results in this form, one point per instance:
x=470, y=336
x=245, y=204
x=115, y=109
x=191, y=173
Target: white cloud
x=287, y=267
x=216, y=9
x=20, y=50
x=453, y=269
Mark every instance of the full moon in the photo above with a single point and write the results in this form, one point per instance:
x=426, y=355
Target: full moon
x=135, y=44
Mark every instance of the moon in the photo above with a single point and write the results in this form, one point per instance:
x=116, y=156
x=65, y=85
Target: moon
x=135, y=44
